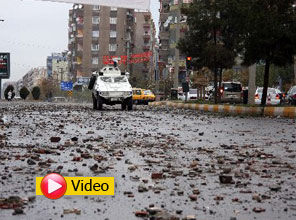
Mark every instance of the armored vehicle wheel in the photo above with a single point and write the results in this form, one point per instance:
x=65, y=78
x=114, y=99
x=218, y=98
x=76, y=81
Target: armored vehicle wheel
x=99, y=103
x=123, y=106
x=130, y=104
x=95, y=104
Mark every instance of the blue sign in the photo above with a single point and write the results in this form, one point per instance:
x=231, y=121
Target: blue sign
x=66, y=86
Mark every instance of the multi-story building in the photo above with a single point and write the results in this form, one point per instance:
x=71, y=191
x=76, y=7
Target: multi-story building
x=34, y=77
x=168, y=36
x=57, y=67
x=97, y=31
x=164, y=36
x=144, y=38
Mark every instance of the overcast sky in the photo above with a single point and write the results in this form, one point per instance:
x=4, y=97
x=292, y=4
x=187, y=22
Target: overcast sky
x=32, y=30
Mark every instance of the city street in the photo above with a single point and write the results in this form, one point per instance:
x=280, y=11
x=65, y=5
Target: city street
x=168, y=164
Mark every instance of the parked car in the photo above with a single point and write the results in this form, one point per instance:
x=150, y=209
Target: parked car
x=143, y=96
x=231, y=92
x=192, y=95
x=291, y=95
x=281, y=94
x=273, y=97
x=59, y=99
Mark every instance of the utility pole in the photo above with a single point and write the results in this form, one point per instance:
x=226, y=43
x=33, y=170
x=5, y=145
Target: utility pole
x=177, y=52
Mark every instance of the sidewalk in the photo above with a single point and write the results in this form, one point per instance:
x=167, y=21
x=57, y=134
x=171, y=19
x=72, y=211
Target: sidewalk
x=287, y=112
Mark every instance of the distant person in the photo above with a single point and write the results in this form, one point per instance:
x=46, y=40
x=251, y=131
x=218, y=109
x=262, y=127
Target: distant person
x=9, y=95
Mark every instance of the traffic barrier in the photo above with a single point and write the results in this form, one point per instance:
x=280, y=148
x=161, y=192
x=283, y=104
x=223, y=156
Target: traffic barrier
x=287, y=112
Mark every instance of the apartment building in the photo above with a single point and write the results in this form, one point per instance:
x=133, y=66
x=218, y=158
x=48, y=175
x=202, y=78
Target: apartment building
x=164, y=31
x=34, y=77
x=57, y=67
x=168, y=37
x=97, y=31
x=144, y=41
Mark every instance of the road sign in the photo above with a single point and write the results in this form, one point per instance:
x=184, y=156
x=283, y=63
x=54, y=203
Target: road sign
x=66, y=86
x=70, y=93
x=4, y=65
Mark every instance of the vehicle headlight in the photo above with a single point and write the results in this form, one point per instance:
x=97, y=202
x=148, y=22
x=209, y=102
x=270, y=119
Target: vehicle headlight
x=128, y=93
x=104, y=93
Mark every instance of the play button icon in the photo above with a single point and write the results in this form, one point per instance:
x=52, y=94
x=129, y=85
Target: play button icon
x=53, y=186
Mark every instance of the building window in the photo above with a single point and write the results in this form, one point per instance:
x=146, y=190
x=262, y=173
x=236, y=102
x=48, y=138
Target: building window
x=95, y=60
x=113, y=20
x=96, y=20
x=113, y=9
x=95, y=47
x=95, y=33
x=113, y=34
x=96, y=7
x=112, y=47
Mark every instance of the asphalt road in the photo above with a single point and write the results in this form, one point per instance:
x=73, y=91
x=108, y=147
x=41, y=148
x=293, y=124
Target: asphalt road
x=168, y=164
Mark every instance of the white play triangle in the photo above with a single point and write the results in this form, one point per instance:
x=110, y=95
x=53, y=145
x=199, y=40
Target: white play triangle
x=53, y=186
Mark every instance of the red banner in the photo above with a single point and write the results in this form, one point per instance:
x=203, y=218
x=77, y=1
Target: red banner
x=134, y=58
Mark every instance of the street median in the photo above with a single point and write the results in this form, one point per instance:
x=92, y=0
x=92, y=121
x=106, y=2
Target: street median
x=287, y=112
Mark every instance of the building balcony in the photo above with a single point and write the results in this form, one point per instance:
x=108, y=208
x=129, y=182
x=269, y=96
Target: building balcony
x=145, y=69
x=147, y=16
x=79, y=53
x=129, y=13
x=183, y=26
x=79, y=36
x=146, y=36
x=146, y=47
x=146, y=25
x=164, y=17
x=163, y=53
x=164, y=35
x=78, y=13
x=80, y=25
x=70, y=46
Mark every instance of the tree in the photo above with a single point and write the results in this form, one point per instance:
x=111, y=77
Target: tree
x=49, y=86
x=213, y=37
x=11, y=89
x=36, y=93
x=24, y=92
x=269, y=34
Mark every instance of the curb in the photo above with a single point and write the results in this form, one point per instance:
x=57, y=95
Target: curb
x=287, y=112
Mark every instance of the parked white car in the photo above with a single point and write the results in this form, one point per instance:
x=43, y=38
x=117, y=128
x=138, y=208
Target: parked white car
x=192, y=95
x=273, y=97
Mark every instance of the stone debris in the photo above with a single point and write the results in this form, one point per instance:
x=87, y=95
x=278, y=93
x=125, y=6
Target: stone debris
x=186, y=165
x=72, y=211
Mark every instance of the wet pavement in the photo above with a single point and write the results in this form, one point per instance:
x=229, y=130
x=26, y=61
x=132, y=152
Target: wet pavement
x=168, y=164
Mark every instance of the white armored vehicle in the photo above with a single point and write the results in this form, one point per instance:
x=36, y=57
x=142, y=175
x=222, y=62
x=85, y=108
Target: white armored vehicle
x=110, y=86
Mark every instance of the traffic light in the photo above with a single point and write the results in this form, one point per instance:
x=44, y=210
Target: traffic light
x=189, y=63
